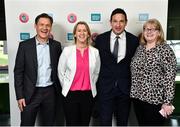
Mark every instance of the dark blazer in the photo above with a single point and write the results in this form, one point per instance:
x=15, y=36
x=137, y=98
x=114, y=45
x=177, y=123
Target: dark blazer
x=25, y=70
x=111, y=71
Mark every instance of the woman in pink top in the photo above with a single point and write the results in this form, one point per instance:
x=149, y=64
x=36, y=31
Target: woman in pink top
x=78, y=71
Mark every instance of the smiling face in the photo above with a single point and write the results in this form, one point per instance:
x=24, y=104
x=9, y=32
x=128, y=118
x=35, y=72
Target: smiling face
x=81, y=33
x=118, y=23
x=43, y=29
x=151, y=33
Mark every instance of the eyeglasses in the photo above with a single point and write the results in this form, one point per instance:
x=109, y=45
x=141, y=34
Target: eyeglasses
x=150, y=30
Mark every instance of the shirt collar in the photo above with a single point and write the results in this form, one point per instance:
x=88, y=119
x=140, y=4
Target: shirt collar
x=39, y=43
x=113, y=35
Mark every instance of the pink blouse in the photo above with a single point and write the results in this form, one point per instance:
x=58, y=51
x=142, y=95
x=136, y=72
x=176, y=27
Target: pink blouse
x=81, y=79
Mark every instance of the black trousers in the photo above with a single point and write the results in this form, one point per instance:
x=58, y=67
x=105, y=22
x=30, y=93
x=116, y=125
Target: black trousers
x=42, y=101
x=115, y=103
x=148, y=114
x=78, y=108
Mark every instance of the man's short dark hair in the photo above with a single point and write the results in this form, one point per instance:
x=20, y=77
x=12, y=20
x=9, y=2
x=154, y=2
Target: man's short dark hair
x=118, y=10
x=43, y=15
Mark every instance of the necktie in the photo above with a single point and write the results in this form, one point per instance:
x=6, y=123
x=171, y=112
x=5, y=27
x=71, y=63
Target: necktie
x=116, y=47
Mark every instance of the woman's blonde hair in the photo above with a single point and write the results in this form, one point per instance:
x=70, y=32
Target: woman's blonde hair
x=158, y=27
x=88, y=30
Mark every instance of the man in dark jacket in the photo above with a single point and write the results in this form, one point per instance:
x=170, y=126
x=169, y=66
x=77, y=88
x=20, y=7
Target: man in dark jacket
x=35, y=74
x=116, y=48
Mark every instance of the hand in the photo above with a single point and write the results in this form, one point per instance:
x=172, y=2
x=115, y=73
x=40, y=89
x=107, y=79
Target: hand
x=168, y=109
x=21, y=104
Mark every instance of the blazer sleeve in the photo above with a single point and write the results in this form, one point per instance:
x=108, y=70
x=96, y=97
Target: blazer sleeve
x=62, y=66
x=19, y=72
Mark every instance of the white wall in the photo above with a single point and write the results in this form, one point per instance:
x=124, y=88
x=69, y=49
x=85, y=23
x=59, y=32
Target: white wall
x=83, y=9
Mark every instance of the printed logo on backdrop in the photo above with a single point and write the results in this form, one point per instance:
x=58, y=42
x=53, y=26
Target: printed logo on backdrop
x=143, y=16
x=70, y=36
x=24, y=36
x=72, y=18
x=95, y=17
x=23, y=17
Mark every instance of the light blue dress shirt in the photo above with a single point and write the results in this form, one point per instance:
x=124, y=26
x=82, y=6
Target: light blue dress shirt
x=44, y=65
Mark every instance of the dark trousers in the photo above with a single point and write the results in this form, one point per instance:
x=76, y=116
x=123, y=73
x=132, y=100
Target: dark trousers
x=43, y=100
x=148, y=114
x=115, y=103
x=78, y=108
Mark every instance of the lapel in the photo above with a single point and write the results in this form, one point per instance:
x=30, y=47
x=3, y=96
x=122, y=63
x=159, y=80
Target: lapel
x=91, y=59
x=34, y=53
x=107, y=43
x=51, y=52
x=127, y=45
x=72, y=59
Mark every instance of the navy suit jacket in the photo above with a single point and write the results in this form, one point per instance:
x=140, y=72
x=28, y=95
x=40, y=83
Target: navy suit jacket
x=25, y=70
x=111, y=71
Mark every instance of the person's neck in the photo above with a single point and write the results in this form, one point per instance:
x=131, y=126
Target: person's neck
x=41, y=40
x=150, y=45
x=81, y=46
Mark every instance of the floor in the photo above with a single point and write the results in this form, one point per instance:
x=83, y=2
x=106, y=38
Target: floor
x=173, y=121
x=4, y=120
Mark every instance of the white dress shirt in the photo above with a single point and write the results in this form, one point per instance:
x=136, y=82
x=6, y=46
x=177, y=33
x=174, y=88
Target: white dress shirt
x=44, y=67
x=122, y=45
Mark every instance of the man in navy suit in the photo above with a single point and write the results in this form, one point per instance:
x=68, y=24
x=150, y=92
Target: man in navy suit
x=35, y=74
x=115, y=78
